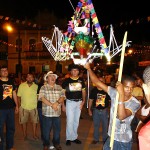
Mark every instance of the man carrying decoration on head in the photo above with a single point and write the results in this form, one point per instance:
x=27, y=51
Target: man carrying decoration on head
x=75, y=98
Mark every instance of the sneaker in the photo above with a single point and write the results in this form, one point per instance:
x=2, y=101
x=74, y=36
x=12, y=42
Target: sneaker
x=94, y=142
x=76, y=141
x=51, y=147
x=68, y=142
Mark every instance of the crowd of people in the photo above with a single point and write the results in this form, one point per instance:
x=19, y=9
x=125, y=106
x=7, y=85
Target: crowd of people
x=41, y=100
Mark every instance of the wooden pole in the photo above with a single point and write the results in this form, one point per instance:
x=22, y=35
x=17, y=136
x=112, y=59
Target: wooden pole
x=117, y=95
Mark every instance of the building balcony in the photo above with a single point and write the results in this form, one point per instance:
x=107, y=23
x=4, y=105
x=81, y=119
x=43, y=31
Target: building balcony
x=34, y=55
x=37, y=55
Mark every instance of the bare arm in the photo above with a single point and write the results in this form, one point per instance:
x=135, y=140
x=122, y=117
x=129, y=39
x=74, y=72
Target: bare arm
x=15, y=100
x=61, y=100
x=53, y=105
x=83, y=97
x=45, y=101
x=140, y=98
x=138, y=113
x=122, y=112
x=146, y=91
x=63, y=106
x=95, y=80
x=90, y=102
x=19, y=101
x=141, y=117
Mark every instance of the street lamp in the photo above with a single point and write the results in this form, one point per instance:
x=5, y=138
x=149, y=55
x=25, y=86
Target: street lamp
x=19, y=66
x=8, y=27
x=130, y=51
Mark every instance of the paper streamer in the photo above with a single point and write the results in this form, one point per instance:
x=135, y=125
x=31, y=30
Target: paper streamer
x=97, y=25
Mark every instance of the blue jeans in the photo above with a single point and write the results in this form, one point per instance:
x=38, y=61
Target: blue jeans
x=40, y=120
x=7, y=117
x=73, y=112
x=117, y=145
x=100, y=117
x=48, y=124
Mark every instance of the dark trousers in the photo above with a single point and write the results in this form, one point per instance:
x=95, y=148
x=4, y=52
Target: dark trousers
x=48, y=124
x=40, y=120
x=100, y=117
x=7, y=117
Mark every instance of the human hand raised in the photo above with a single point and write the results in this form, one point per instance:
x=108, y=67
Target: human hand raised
x=119, y=87
x=87, y=66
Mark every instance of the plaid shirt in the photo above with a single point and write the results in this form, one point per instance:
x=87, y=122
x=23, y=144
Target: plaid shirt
x=52, y=94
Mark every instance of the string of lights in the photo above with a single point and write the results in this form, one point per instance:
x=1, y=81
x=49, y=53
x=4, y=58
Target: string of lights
x=35, y=25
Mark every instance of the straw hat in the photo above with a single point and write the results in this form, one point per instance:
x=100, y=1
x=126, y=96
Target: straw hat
x=50, y=73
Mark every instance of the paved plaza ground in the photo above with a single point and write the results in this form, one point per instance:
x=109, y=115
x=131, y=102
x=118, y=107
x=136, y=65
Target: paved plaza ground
x=85, y=135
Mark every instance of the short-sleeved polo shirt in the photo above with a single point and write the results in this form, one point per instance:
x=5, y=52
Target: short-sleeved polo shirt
x=28, y=95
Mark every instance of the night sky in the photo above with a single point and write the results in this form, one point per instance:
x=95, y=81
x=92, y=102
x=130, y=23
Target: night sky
x=108, y=12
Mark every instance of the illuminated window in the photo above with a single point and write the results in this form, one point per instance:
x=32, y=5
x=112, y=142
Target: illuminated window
x=32, y=45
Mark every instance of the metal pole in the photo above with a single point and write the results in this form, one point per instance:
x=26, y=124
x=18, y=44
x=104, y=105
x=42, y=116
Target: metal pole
x=19, y=55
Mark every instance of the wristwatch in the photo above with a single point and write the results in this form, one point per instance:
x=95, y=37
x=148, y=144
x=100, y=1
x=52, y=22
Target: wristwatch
x=119, y=102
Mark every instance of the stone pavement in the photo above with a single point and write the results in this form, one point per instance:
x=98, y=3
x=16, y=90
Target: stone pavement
x=85, y=135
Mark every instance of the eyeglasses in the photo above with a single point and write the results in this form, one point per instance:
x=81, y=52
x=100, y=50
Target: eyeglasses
x=4, y=70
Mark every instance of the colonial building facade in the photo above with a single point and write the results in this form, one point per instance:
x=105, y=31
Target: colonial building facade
x=27, y=53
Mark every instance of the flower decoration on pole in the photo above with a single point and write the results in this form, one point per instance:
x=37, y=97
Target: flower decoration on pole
x=79, y=36
x=83, y=44
x=79, y=30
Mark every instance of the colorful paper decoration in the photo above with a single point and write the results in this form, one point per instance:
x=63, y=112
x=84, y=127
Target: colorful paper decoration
x=80, y=26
